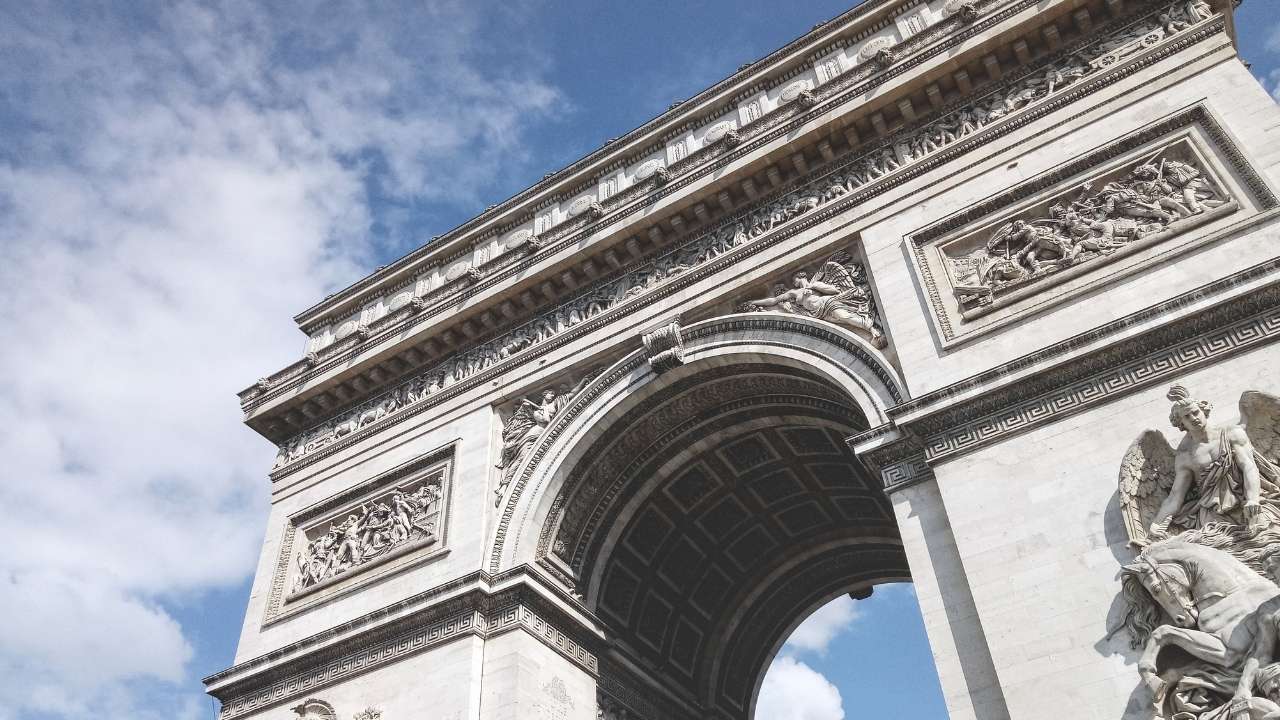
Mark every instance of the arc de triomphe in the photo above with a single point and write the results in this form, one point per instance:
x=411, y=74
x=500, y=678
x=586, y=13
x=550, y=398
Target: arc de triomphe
x=915, y=297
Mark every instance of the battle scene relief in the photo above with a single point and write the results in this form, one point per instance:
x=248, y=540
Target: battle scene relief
x=395, y=521
x=1137, y=204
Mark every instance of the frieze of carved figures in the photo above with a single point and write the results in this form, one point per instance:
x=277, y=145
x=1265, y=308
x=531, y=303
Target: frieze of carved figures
x=837, y=292
x=1204, y=517
x=529, y=417
x=1087, y=224
x=403, y=517
x=368, y=713
x=904, y=149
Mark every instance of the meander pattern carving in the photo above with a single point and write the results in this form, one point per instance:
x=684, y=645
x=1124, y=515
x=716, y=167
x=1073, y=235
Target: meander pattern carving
x=740, y=233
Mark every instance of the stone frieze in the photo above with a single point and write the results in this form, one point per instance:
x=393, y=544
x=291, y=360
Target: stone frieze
x=1140, y=203
x=880, y=163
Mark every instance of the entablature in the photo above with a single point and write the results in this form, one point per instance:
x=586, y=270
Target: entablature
x=842, y=129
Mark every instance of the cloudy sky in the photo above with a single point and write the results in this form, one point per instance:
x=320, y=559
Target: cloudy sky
x=178, y=179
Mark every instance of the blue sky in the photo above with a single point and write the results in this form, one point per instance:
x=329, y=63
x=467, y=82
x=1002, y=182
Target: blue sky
x=178, y=179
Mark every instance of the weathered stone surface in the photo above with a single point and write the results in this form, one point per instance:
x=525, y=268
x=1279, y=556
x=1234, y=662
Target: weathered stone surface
x=958, y=249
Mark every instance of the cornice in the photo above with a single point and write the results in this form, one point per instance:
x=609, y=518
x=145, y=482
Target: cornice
x=641, y=196
x=977, y=412
x=915, y=169
x=618, y=150
x=478, y=604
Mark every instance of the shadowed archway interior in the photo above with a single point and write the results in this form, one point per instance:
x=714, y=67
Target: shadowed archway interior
x=705, y=522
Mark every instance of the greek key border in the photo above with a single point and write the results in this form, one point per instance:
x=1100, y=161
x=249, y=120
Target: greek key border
x=1179, y=355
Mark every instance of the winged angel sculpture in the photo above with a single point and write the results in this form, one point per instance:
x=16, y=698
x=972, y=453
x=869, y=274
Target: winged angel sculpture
x=522, y=430
x=1206, y=518
x=837, y=293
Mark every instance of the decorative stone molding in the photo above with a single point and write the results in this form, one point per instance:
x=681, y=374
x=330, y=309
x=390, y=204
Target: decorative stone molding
x=1241, y=323
x=708, y=161
x=1151, y=187
x=479, y=612
x=762, y=330
x=664, y=348
x=382, y=526
x=849, y=182
x=312, y=709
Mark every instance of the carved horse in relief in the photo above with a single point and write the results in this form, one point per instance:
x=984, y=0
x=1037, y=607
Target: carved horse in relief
x=1217, y=605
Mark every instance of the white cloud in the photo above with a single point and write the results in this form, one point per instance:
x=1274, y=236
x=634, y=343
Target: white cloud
x=794, y=691
x=819, y=629
x=174, y=185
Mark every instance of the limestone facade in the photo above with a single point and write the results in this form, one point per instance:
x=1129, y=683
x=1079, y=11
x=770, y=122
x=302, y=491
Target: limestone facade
x=891, y=303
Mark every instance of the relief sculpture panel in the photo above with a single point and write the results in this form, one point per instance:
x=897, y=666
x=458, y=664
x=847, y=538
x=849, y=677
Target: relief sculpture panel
x=1203, y=517
x=1149, y=199
x=1093, y=220
x=395, y=520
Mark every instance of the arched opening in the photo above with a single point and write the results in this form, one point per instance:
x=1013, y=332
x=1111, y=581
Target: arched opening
x=702, y=514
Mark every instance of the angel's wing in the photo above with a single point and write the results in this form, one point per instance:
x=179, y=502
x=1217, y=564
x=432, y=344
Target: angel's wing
x=1260, y=416
x=1146, y=474
x=836, y=274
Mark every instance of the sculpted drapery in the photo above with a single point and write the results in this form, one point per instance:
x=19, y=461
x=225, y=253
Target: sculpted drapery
x=1206, y=518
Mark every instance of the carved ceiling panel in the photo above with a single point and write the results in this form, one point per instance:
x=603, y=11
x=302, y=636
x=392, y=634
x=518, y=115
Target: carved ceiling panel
x=697, y=501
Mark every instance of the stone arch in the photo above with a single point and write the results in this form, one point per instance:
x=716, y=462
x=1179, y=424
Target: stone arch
x=838, y=356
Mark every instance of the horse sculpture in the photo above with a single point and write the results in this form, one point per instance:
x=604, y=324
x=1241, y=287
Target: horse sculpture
x=1223, y=615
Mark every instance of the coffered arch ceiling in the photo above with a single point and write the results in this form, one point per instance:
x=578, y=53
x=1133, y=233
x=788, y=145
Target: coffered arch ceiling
x=706, y=521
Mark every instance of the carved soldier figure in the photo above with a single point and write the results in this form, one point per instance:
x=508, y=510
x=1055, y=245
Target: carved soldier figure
x=1186, y=179
x=1150, y=183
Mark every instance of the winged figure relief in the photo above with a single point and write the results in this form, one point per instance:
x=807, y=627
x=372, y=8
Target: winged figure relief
x=1218, y=473
x=521, y=431
x=838, y=293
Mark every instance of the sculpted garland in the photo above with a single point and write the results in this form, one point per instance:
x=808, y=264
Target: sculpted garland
x=902, y=150
x=1205, y=517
